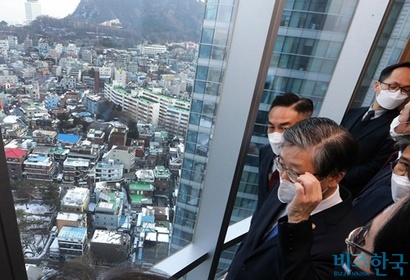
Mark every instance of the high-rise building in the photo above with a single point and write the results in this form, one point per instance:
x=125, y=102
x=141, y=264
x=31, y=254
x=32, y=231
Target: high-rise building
x=33, y=10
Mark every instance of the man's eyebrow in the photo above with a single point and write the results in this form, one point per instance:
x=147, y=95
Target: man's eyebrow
x=294, y=165
x=404, y=158
x=283, y=123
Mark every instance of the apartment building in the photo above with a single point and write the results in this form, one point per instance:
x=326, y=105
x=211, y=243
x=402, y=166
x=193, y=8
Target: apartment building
x=71, y=220
x=116, y=243
x=162, y=179
x=75, y=170
x=51, y=101
x=31, y=110
x=13, y=127
x=141, y=194
x=125, y=98
x=123, y=155
x=15, y=158
x=151, y=49
x=45, y=137
x=108, y=171
x=33, y=10
x=39, y=167
x=152, y=107
x=145, y=176
x=108, y=211
x=86, y=150
x=7, y=78
x=44, y=121
x=96, y=136
x=118, y=136
x=76, y=200
x=72, y=241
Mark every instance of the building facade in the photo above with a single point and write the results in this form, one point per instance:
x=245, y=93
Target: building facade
x=109, y=171
x=33, y=10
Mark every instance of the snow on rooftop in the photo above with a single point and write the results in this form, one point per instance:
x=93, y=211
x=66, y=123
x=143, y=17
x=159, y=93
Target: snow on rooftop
x=70, y=233
x=75, y=196
x=105, y=236
x=68, y=216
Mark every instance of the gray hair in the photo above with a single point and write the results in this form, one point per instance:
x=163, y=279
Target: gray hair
x=333, y=148
x=402, y=141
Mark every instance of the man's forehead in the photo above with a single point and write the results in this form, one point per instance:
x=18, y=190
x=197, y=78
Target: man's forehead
x=406, y=153
x=284, y=114
x=295, y=156
x=400, y=75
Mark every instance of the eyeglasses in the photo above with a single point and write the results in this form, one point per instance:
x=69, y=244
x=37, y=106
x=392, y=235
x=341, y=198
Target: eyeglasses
x=395, y=87
x=400, y=168
x=357, y=240
x=293, y=176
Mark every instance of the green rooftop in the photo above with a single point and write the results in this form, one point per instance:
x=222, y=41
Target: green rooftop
x=138, y=198
x=141, y=186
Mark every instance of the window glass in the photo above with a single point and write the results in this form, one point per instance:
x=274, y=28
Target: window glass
x=207, y=35
x=211, y=11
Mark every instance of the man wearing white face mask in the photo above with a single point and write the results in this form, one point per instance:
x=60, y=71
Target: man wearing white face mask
x=299, y=227
x=401, y=124
x=286, y=110
x=370, y=126
x=387, y=186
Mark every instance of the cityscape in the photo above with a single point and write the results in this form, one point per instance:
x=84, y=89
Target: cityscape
x=93, y=139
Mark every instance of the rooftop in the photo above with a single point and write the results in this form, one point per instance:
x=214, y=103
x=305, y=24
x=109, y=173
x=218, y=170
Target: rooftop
x=141, y=186
x=15, y=152
x=75, y=196
x=140, y=199
x=68, y=216
x=71, y=233
x=109, y=237
x=68, y=138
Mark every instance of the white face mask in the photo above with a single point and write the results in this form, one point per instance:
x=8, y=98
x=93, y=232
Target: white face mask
x=275, y=141
x=390, y=100
x=393, y=125
x=400, y=186
x=286, y=191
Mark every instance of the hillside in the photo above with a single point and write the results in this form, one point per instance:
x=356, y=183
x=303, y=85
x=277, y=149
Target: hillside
x=151, y=20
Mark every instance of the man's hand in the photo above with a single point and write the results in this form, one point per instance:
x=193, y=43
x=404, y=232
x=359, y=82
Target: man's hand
x=308, y=196
x=404, y=124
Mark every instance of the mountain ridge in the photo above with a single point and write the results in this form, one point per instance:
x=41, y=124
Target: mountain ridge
x=151, y=20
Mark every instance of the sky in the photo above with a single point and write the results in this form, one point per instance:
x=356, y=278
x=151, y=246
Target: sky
x=13, y=11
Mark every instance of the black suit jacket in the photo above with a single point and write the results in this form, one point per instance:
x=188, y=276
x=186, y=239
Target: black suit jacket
x=375, y=196
x=288, y=255
x=375, y=147
x=266, y=156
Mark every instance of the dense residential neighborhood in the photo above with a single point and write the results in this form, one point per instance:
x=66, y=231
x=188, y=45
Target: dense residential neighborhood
x=93, y=142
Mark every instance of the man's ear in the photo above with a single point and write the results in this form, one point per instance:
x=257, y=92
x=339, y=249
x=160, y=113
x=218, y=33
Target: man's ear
x=376, y=87
x=336, y=178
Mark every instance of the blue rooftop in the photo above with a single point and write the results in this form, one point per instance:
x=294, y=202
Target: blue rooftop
x=72, y=232
x=68, y=138
x=148, y=219
x=37, y=159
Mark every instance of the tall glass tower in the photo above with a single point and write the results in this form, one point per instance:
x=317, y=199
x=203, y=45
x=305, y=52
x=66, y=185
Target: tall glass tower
x=209, y=75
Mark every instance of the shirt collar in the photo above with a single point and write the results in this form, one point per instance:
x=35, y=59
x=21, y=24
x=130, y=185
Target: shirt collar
x=332, y=200
x=377, y=113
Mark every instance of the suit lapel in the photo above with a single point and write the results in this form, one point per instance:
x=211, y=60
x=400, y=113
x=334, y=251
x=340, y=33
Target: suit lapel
x=354, y=116
x=369, y=188
x=270, y=209
x=373, y=125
